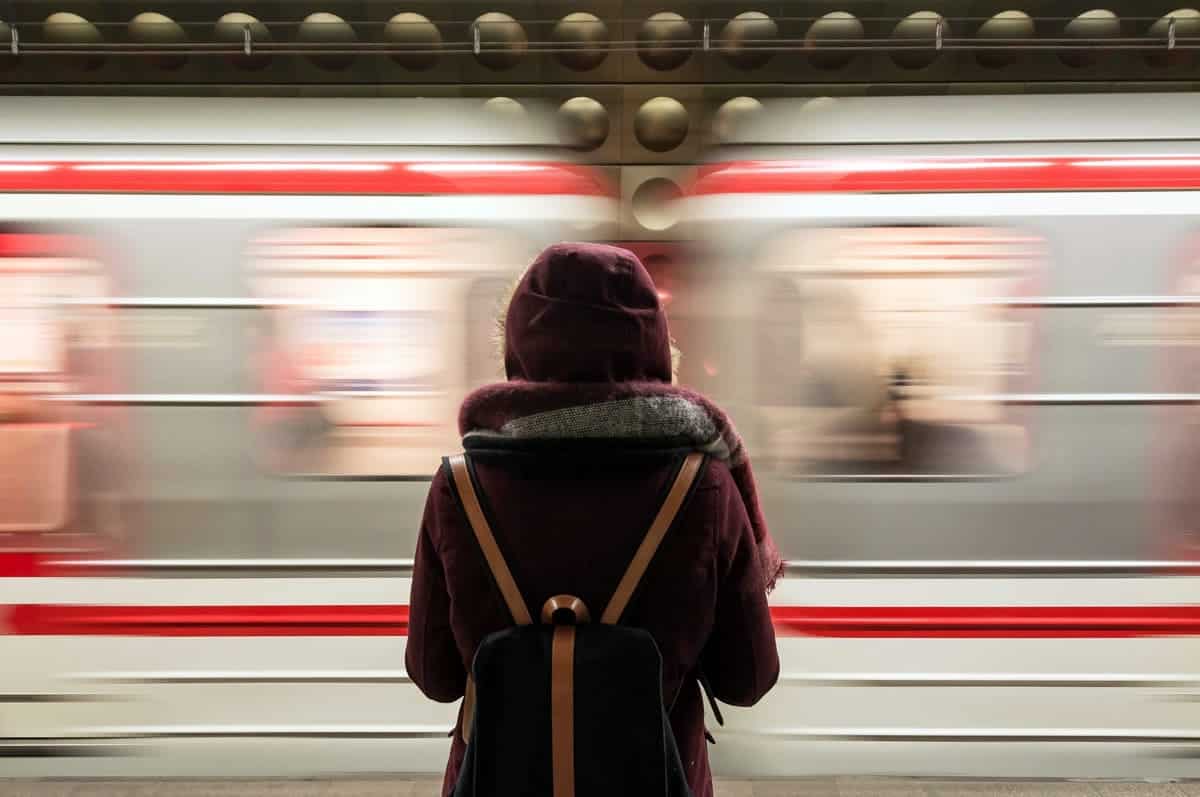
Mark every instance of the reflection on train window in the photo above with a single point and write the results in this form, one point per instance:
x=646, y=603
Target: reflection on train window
x=373, y=331
x=887, y=350
x=60, y=464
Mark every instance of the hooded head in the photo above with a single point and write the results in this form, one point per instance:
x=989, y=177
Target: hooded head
x=586, y=313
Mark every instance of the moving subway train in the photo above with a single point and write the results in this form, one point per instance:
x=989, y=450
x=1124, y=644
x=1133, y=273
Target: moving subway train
x=957, y=332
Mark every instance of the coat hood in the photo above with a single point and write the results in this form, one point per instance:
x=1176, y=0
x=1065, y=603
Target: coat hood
x=586, y=313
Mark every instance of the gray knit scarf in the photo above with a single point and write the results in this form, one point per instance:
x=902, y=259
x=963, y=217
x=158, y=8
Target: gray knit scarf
x=620, y=411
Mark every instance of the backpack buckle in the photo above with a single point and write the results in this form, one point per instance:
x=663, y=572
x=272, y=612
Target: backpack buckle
x=565, y=610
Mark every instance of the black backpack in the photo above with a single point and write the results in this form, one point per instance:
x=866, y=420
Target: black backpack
x=568, y=708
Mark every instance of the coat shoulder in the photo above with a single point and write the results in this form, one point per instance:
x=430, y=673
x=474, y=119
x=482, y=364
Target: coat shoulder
x=716, y=476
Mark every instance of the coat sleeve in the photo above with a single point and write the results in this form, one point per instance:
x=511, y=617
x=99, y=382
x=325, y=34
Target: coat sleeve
x=739, y=659
x=431, y=655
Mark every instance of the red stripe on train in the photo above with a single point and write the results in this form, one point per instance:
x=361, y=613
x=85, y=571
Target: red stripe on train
x=21, y=564
x=937, y=175
x=826, y=621
x=208, y=620
x=40, y=245
x=986, y=621
x=301, y=177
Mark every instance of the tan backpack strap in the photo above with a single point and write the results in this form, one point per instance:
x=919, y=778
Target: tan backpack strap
x=658, y=530
x=562, y=710
x=487, y=541
x=468, y=710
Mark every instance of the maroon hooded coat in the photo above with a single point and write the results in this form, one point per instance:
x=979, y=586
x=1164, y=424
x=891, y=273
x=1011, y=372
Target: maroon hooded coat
x=585, y=333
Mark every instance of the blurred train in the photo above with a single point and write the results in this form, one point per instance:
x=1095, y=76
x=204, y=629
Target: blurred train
x=957, y=333
x=991, y=297
x=290, y=287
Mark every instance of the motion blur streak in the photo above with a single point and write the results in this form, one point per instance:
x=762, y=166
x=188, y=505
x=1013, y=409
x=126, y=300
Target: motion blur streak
x=231, y=359
x=937, y=174
x=301, y=177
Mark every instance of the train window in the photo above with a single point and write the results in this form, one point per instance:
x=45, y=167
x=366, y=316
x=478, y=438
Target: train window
x=887, y=350
x=58, y=461
x=363, y=332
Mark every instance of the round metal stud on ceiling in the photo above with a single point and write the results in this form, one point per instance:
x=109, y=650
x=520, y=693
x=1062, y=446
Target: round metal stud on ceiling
x=583, y=123
x=1099, y=23
x=64, y=27
x=233, y=28
x=151, y=29
x=506, y=108
x=665, y=41
x=923, y=30
x=328, y=29
x=654, y=204
x=837, y=29
x=1007, y=25
x=1183, y=23
x=818, y=105
x=732, y=115
x=502, y=40
x=582, y=41
x=745, y=37
x=418, y=35
x=661, y=124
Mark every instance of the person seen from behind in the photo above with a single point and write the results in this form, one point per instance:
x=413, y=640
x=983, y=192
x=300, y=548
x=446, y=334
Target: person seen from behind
x=569, y=462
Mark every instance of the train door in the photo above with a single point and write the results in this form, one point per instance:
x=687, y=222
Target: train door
x=369, y=339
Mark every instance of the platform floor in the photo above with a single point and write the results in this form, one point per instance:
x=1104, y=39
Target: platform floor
x=398, y=787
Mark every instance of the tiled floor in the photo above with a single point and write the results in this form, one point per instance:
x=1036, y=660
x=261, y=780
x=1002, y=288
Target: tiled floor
x=393, y=787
